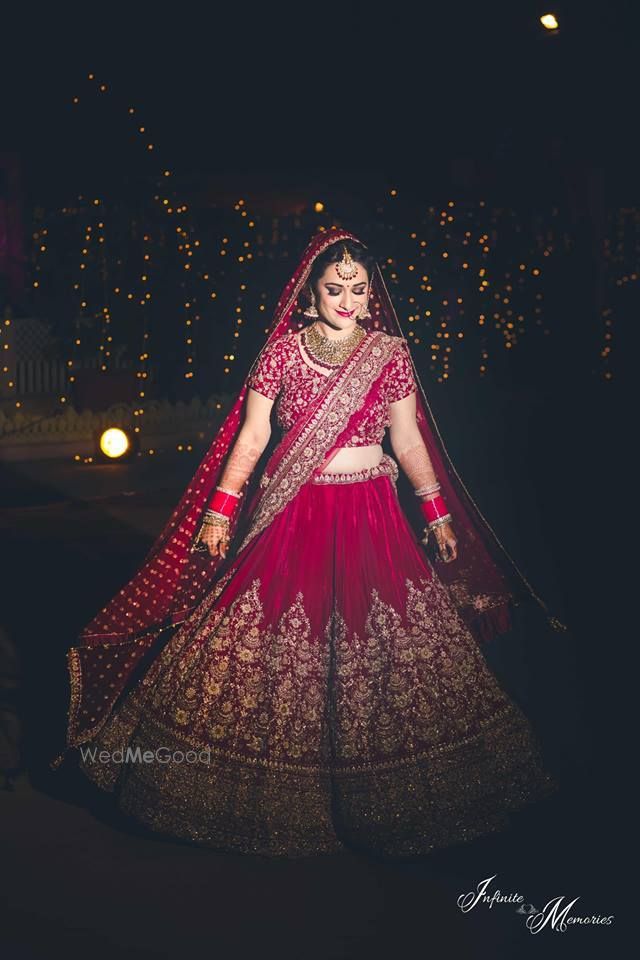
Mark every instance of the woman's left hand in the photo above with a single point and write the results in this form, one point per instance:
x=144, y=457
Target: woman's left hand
x=447, y=543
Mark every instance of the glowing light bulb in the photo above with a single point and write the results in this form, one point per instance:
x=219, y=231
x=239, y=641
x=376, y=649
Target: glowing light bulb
x=549, y=22
x=114, y=442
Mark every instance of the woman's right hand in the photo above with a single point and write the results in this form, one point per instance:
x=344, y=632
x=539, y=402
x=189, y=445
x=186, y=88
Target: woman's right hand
x=216, y=538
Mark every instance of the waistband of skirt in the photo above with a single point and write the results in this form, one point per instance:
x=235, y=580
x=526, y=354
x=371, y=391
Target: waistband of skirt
x=387, y=467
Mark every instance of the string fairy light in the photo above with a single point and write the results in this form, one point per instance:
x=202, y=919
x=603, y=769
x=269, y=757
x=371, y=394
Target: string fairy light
x=103, y=314
x=185, y=242
x=452, y=276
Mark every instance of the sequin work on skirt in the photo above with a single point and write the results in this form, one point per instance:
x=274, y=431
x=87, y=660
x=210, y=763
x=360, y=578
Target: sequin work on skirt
x=324, y=695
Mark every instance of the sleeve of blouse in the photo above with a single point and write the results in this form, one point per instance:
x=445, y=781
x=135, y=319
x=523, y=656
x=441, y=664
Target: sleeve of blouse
x=400, y=379
x=266, y=377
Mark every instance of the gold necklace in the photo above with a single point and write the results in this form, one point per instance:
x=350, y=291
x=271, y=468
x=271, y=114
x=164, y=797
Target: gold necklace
x=331, y=352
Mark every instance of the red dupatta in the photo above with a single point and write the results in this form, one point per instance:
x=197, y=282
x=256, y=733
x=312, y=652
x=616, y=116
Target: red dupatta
x=174, y=578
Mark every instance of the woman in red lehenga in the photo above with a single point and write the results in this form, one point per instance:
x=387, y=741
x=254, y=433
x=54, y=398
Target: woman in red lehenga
x=322, y=686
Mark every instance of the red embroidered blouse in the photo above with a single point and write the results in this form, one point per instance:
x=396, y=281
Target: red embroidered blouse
x=283, y=375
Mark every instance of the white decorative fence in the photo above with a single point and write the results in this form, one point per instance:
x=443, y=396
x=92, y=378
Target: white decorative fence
x=29, y=436
x=50, y=376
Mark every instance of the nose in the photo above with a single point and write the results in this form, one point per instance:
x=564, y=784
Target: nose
x=346, y=302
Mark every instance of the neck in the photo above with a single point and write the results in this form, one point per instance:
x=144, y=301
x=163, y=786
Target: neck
x=328, y=330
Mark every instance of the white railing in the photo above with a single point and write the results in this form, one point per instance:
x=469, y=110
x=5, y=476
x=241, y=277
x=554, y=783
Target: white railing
x=29, y=436
x=50, y=376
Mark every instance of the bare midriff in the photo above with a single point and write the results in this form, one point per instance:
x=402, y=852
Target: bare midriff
x=346, y=459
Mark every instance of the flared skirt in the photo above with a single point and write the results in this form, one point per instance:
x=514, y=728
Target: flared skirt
x=324, y=695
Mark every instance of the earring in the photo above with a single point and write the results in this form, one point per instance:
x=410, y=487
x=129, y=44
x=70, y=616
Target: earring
x=365, y=314
x=312, y=310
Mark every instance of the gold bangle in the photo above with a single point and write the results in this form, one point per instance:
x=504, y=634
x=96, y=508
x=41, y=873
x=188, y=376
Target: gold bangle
x=215, y=515
x=440, y=521
x=210, y=522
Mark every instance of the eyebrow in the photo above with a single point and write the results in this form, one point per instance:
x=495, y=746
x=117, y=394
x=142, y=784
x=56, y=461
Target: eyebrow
x=330, y=283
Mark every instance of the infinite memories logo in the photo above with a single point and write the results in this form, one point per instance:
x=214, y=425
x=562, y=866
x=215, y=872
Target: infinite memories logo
x=557, y=914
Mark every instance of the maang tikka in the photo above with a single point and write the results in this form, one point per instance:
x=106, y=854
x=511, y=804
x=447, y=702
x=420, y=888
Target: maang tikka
x=347, y=268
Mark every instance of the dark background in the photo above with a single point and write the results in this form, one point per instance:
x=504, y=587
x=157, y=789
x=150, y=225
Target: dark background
x=360, y=89
x=349, y=99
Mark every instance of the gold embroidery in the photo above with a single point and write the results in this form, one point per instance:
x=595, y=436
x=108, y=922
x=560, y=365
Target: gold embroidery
x=316, y=437
x=75, y=735
x=481, y=602
x=387, y=467
x=397, y=738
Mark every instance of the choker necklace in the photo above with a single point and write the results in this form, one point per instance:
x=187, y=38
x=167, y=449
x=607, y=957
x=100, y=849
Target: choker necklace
x=331, y=353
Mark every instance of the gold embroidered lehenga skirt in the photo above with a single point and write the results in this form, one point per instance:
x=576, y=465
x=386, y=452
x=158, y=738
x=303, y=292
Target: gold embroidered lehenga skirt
x=324, y=695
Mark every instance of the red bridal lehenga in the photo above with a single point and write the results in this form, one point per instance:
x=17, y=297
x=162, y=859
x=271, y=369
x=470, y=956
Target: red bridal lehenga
x=323, y=687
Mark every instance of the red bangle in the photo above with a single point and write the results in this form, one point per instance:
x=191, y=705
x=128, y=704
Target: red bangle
x=224, y=503
x=433, y=509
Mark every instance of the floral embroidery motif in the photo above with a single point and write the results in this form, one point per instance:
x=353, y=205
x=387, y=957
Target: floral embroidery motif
x=319, y=429
x=399, y=723
x=399, y=378
x=282, y=375
x=413, y=681
x=387, y=467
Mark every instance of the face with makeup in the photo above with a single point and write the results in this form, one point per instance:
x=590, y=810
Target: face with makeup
x=340, y=302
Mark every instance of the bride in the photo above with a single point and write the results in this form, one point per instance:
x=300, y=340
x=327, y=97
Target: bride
x=291, y=672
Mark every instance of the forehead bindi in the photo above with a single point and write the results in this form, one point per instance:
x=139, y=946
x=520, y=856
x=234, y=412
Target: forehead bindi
x=331, y=276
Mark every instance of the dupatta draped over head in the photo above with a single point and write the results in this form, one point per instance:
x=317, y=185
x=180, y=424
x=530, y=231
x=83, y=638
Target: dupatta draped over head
x=484, y=581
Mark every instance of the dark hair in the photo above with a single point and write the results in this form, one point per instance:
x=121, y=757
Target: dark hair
x=334, y=253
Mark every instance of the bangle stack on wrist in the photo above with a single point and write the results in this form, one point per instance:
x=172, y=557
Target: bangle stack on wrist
x=427, y=489
x=436, y=515
x=224, y=502
x=219, y=513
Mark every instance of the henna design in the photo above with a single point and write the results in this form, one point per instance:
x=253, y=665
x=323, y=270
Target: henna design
x=240, y=465
x=416, y=463
x=238, y=468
